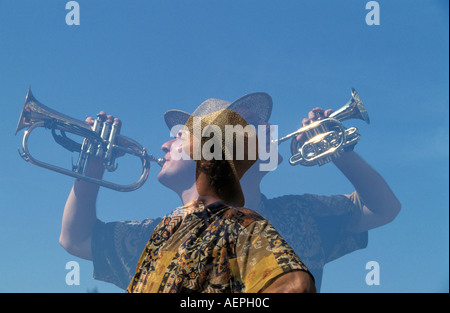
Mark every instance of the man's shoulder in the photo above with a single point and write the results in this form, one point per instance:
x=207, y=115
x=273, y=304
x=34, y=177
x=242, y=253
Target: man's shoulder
x=307, y=200
x=294, y=198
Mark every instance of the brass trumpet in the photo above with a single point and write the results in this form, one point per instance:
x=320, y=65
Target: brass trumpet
x=102, y=140
x=327, y=138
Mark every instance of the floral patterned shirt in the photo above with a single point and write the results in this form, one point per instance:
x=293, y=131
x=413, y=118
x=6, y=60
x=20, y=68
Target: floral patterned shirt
x=314, y=226
x=214, y=249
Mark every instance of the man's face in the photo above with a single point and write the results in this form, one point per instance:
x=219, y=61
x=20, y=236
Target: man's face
x=177, y=173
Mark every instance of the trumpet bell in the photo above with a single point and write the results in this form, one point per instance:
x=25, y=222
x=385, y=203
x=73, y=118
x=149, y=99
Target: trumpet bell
x=353, y=109
x=33, y=111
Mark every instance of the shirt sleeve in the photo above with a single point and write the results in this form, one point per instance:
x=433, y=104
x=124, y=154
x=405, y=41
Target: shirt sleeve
x=263, y=255
x=334, y=229
x=317, y=225
x=116, y=248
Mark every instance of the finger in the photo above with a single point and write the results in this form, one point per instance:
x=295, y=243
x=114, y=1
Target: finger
x=102, y=116
x=328, y=112
x=118, y=122
x=110, y=119
x=317, y=114
x=89, y=120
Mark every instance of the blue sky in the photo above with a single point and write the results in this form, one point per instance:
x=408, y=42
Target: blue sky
x=138, y=59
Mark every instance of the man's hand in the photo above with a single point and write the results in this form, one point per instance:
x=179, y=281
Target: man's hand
x=314, y=115
x=95, y=165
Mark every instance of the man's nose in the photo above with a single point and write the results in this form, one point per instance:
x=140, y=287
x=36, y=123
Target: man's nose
x=166, y=146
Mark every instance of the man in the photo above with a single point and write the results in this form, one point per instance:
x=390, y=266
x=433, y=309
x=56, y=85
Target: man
x=319, y=229
x=212, y=244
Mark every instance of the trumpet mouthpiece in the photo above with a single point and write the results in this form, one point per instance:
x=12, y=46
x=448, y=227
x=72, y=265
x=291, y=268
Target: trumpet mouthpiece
x=160, y=161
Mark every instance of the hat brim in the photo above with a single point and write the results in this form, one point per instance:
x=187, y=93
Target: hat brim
x=175, y=117
x=260, y=103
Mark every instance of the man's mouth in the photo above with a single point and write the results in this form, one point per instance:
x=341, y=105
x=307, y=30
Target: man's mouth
x=166, y=159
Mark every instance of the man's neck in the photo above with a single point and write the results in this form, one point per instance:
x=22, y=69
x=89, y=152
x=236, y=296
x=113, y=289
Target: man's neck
x=192, y=194
x=189, y=195
x=252, y=194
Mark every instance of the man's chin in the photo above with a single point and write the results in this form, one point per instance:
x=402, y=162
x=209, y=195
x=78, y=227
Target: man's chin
x=161, y=177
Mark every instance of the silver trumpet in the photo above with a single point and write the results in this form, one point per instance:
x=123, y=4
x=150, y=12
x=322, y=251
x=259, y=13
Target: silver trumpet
x=101, y=140
x=327, y=138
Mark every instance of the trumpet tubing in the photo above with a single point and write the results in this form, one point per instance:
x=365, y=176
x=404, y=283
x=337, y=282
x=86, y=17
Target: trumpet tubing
x=102, y=140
